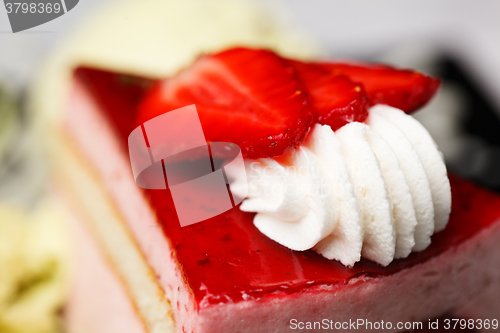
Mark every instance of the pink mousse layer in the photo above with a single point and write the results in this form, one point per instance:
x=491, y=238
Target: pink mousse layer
x=98, y=302
x=427, y=290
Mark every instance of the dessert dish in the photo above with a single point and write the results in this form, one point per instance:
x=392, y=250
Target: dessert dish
x=224, y=275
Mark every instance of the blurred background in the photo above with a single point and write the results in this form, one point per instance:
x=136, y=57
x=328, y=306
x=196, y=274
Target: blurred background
x=456, y=40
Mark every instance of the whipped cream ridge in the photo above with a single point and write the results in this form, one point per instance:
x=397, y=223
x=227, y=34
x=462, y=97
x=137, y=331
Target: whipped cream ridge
x=377, y=190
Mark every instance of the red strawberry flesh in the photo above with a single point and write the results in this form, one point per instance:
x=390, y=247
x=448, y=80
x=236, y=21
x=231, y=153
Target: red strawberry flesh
x=336, y=100
x=403, y=89
x=248, y=97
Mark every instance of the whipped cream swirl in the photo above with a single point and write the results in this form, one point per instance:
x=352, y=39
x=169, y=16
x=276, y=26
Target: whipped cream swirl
x=377, y=189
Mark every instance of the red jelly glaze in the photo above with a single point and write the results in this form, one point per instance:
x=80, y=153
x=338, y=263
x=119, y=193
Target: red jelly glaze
x=227, y=259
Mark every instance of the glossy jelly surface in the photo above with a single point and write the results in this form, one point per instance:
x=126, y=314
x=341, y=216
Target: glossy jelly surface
x=226, y=259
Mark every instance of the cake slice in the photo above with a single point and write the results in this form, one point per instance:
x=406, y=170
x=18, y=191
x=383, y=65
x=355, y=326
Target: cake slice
x=223, y=275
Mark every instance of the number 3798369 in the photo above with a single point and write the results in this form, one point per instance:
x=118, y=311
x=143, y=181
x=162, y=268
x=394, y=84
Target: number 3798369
x=32, y=7
x=480, y=324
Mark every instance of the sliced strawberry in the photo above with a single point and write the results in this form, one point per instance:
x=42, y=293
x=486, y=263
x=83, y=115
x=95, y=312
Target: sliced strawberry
x=250, y=97
x=336, y=99
x=404, y=89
